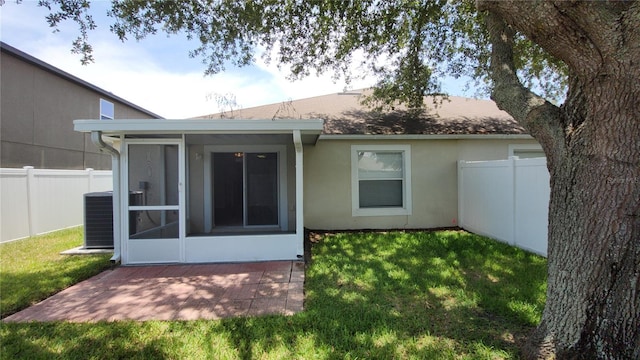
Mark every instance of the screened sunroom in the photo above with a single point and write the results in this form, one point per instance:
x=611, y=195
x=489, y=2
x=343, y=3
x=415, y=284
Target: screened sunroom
x=193, y=191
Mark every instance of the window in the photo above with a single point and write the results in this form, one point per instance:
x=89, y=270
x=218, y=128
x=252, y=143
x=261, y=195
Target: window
x=526, y=151
x=381, y=180
x=106, y=110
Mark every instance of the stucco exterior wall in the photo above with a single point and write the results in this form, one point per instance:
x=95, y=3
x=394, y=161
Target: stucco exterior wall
x=478, y=149
x=38, y=107
x=327, y=187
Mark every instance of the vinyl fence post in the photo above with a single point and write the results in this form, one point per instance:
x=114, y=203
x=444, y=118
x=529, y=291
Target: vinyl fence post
x=514, y=206
x=461, y=194
x=31, y=200
x=90, y=179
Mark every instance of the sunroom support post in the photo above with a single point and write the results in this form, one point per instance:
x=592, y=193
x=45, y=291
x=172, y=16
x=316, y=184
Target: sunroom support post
x=297, y=142
x=96, y=138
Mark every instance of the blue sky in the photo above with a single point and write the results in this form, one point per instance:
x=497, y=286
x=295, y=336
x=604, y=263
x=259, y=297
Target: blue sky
x=157, y=73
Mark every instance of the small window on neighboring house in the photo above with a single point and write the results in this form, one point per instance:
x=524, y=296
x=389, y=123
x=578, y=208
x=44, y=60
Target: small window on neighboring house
x=526, y=151
x=106, y=110
x=381, y=180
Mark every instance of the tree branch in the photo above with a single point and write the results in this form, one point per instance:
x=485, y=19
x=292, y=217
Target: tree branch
x=541, y=118
x=578, y=33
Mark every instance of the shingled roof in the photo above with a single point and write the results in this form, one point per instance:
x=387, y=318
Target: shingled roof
x=345, y=115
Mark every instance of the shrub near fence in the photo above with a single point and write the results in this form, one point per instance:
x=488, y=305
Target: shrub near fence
x=37, y=201
x=507, y=200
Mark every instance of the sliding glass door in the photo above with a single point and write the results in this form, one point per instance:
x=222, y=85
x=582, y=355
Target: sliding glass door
x=247, y=188
x=261, y=183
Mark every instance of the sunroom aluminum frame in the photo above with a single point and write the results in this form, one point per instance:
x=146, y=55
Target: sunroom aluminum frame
x=116, y=133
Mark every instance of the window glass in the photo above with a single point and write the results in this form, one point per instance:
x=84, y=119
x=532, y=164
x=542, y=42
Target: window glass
x=381, y=183
x=262, y=188
x=380, y=177
x=528, y=154
x=380, y=193
x=106, y=110
x=245, y=188
x=379, y=165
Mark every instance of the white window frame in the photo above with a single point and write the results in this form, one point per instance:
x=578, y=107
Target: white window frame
x=406, y=181
x=513, y=148
x=103, y=114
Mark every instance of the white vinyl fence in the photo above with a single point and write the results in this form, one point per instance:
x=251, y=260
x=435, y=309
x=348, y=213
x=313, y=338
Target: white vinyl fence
x=507, y=200
x=37, y=201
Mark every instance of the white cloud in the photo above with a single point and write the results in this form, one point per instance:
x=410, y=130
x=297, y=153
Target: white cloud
x=313, y=85
x=139, y=72
x=156, y=73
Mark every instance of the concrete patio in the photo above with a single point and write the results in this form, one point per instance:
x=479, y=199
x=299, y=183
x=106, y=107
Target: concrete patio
x=176, y=292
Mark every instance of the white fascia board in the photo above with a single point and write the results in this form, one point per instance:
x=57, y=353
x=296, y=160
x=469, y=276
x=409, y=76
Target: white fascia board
x=192, y=126
x=428, y=137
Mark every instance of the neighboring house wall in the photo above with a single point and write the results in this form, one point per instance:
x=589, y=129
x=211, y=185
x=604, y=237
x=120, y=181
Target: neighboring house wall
x=434, y=202
x=38, y=106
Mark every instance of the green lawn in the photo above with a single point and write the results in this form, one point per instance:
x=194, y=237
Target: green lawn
x=422, y=295
x=33, y=269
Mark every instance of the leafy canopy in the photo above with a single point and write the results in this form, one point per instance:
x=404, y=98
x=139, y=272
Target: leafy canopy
x=406, y=45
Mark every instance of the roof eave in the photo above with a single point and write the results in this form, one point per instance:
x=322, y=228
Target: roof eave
x=425, y=137
x=199, y=126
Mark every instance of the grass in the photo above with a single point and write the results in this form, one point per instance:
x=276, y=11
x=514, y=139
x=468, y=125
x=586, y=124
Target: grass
x=422, y=295
x=33, y=269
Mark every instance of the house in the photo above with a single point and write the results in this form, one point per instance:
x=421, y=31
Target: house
x=243, y=185
x=38, y=105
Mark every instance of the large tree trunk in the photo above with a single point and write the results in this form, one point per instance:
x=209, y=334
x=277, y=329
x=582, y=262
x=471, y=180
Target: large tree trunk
x=592, y=145
x=593, y=297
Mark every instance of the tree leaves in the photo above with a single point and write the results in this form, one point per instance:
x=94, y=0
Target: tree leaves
x=406, y=45
x=78, y=12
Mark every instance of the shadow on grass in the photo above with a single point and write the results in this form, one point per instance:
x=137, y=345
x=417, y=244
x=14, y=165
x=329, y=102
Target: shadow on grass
x=59, y=340
x=396, y=295
x=22, y=289
x=371, y=295
x=454, y=286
